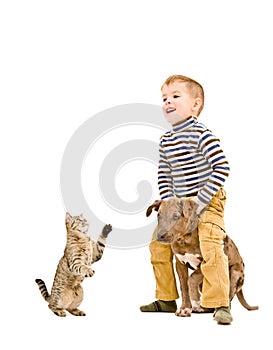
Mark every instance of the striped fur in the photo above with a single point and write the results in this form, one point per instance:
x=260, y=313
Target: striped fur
x=76, y=264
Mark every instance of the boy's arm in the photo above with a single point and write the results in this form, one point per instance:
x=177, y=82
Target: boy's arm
x=165, y=181
x=210, y=147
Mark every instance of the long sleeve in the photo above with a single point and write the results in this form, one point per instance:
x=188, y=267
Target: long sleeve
x=165, y=181
x=210, y=147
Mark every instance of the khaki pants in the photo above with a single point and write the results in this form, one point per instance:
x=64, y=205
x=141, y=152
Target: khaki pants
x=214, y=267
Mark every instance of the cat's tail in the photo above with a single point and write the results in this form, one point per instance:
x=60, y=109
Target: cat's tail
x=43, y=289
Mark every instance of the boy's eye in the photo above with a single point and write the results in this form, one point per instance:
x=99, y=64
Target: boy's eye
x=176, y=96
x=164, y=99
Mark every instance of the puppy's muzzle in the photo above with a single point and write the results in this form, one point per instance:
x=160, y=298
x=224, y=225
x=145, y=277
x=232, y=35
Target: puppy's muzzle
x=164, y=237
x=161, y=236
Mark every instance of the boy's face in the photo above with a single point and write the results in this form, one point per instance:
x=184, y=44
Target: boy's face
x=178, y=103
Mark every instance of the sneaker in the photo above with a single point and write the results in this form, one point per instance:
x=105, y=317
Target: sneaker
x=222, y=315
x=160, y=306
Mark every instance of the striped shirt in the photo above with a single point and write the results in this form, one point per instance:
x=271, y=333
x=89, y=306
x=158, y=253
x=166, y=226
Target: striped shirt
x=191, y=162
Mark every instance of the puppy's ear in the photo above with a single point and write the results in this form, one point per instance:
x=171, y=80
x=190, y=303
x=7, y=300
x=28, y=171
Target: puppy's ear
x=154, y=206
x=189, y=212
x=189, y=207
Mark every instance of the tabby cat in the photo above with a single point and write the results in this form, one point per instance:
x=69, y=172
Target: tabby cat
x=80, y=252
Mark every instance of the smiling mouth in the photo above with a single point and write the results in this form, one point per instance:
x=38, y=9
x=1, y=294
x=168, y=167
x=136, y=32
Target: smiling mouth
x=170, y=110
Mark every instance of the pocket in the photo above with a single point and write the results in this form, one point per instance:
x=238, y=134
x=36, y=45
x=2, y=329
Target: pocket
x=211, y=239
x=209, y=231
x=214, y=219
x=218, y=234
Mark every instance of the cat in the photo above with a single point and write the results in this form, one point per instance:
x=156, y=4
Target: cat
x=76, y=264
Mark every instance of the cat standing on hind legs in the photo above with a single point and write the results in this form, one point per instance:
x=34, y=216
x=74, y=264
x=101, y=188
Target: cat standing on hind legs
x=79, y=254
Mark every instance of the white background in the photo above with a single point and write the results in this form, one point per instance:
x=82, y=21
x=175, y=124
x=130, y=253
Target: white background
x=64, y=61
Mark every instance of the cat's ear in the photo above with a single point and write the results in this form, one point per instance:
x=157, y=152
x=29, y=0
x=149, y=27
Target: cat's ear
x=68, y=217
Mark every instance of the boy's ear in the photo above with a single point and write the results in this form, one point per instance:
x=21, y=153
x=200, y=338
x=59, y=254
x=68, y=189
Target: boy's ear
x=196, y=104
x=154, y=206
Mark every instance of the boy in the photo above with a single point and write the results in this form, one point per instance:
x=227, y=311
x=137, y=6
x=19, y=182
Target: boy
x=192, y=164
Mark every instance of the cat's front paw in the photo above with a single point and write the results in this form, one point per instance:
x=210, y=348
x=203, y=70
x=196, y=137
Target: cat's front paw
x=106, y=230
x=89, y=272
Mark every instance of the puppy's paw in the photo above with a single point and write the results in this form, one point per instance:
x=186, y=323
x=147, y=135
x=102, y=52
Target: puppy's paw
x=186, y=312
x=89, y=272
x=197, y=308
x=106, y=230
x=202, y=310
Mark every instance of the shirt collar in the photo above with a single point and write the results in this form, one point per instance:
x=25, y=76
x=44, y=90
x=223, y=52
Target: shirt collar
x=186, y=124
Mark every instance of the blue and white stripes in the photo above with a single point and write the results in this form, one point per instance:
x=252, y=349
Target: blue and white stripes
x=191, y=162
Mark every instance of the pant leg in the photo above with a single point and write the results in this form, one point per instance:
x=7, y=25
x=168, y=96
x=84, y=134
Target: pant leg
x=215, y=290
x=162, y=262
